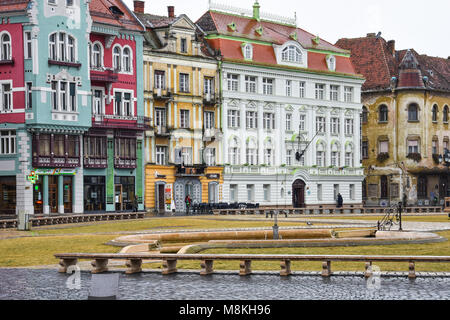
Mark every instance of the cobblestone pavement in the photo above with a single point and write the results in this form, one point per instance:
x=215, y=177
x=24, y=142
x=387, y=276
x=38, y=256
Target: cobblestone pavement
x=48, y=284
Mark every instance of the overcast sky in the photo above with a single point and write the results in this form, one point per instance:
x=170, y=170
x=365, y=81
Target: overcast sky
x=418, y=24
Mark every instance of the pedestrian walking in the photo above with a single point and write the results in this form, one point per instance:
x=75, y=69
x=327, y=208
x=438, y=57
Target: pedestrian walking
x=135, y=204
x=188, y=202
x=340, y=201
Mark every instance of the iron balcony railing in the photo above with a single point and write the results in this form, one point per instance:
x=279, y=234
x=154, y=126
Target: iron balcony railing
x=121, y=122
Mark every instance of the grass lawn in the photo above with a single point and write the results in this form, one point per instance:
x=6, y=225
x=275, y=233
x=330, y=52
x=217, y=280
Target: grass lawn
x=38, y=246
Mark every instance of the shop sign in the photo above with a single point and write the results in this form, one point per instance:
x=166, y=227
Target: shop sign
x=213, y=176
x=56, y=172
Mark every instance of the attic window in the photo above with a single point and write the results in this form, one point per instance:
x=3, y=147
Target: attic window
x=259, y=30
x=116, y=10
x=247, y=49
x=331, y=62
x=232, y=26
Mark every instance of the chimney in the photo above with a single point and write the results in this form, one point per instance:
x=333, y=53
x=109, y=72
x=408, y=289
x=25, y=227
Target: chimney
x=139, y=6
x=371, y=35
x=391, y=47
x=171, y=11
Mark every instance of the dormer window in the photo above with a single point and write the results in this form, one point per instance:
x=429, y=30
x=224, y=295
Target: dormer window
x=292, y=54
x=331, y=63
x=248, y=51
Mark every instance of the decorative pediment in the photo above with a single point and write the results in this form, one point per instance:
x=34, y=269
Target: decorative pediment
x=269, y=106
x=335, y=111
x=184, y=22
x=252, y=105
x=349, y=114
x=64, y=75
x=234, y=103
x=321, y=110
x=289, y=108
x=302, y=108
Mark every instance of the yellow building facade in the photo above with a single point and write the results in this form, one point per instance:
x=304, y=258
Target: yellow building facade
x=181, y=97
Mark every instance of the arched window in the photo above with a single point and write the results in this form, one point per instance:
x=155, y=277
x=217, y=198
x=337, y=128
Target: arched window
x=365, y=115
x=445, y=114
x=127, y=60
x=292, y=54
x=252, y=153
x=434, y=112
x=97, y=56
x=117, y=55
x=6, y=47
x=413, y=112
x=248, y=52
x=383, y=113
x=336, y=155
x=71, y=48
x=320, y=155
x=349, y=156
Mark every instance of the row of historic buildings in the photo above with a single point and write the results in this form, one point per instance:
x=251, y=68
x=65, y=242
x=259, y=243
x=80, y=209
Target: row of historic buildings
x=102, y=106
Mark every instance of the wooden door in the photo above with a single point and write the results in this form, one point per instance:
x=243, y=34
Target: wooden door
x=298, y=194
x=67, y=196
x=161, y=199
x=53, y=194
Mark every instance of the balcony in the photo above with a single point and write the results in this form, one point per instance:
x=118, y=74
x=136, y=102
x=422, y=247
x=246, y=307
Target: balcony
x=162, y=94
x=209, y=99
x=211, y=134
x=7, y=62
x=64, y=63
x=190, y=171
x=56, y=162
x=120, y=163
x=163, y=131
x=121, y=122
x=107, y=75
x=95, y=163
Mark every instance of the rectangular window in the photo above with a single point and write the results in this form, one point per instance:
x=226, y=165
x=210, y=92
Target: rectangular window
x=209, y=120
x=336, y=191
x=127, y=104
x=268, y=157
x=160, y=117
x=250, y=192
x=73, y=97
x=251, y=119
x=365, y=150
x=73, y=146
x=288, y=122
x=55, y=95
x=210, y=157
x=302, y=122
x=160, y=80
x=118, y=104
x=269, y=121
x=97, y=102
x=161, y=153
x=320, y=91
x=29, y=95
x=7, y=142
x=233, y=119
x=268, y=86
x=289, y=157
x=335, y=126
x=320, y=158
x=250, y=84
x=349, y=159
x=95, y=147
x=233, y=82
x=184, y=82
x=183, y=45
x=184, y=119
x=413, y=146
x=349, y=127
x=6, y=96
x=266, y=189
x=348, y=94
x=288, y=88
x=208, y=85
x=334, y=93
x=352, y=192
x=434, y=147
x=302, y=89
x=186, y=156
x=233, y=192
x=321, y=124
x=252, y=157
x=335, y=159
x=384, y=147
x=125, y=148
x=63, y=95
x=28, y=46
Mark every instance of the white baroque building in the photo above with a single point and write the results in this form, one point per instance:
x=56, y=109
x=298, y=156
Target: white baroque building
x=285, y=91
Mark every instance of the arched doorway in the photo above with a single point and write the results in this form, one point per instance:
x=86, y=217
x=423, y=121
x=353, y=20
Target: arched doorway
x=298, y=193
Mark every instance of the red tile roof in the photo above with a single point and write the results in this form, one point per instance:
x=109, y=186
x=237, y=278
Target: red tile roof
x=101, y=13
x=273, y=34
x=378, y=62
x=13, y=5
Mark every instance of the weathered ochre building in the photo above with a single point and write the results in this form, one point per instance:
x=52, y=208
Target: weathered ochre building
x=181, y=97
x=405, y=121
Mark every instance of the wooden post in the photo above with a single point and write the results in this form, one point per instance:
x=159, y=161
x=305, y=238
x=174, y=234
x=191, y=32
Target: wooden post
x=245, y=268
x=66, y=263
x=285, y=268
x=412, y=270
x=326, y=269
x=368, y=272
x=207, y=267
x=134, y=266
x=169, y=266
x=100, y=265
